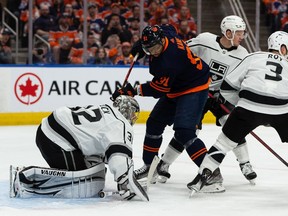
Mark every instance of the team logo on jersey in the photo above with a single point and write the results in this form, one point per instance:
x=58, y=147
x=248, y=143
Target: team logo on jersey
x=28, y=88
x=218, y=69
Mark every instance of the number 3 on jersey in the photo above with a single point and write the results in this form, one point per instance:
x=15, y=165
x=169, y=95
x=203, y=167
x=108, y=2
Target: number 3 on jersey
x=277, y=69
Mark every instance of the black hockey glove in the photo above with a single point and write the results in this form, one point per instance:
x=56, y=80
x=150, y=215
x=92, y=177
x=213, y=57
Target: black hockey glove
x=127, y=90
x=137, y=48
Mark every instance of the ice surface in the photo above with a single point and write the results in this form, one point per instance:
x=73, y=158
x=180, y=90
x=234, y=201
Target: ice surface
x=268, y=197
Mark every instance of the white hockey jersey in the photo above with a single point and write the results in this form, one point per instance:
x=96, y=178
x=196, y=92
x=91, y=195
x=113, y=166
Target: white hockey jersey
x=259, y=83
x=92, y=129
x=219, y=59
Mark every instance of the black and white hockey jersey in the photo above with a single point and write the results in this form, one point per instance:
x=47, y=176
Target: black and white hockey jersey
x=259, y=83
x=95, y=130
x=220, y=60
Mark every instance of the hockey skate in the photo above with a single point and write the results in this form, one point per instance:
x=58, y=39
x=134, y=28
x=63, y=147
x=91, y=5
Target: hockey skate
x=162, y=171
x=248, y=172
x=147, y=173
x=142, y=172
x=208, y=182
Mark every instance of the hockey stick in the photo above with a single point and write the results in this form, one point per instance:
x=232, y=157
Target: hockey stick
x=104, y=194
x=152, y=169
x=254, y=135
x=128, y=73
x=130, y=69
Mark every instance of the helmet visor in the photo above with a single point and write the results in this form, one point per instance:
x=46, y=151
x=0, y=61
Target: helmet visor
x=153, y=50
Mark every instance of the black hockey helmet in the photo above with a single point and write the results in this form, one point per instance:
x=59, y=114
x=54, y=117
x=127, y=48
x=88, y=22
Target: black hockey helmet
x=151, y=35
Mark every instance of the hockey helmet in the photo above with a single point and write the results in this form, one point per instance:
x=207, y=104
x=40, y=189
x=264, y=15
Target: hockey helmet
x=276, y=40
x=151, y=35
x=233, y=23
x=128, y=107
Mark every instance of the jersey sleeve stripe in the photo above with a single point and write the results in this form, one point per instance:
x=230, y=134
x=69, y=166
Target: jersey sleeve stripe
x=116, y=149
x=226, y=86
x=61, y=131
x=191, y=90
x=159, y=88
x=251, y=96
x=190, y=46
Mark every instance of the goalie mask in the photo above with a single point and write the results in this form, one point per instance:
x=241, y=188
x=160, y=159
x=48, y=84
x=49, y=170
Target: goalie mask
x=233, y=23
x=276, y=40
x=128, y=107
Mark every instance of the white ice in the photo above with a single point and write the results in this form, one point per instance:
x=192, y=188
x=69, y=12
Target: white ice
x=268, y=197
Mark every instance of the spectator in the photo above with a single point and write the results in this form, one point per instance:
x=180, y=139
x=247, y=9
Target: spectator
x=77, y=52
x=101, y=57
x=95, y=20
x=115, y=9
x=135, y=37
x=5, y=48
x=113, y=47
x=126, y=58
x=184, y=31
x=133, y=10
x=41, y=54
x=62, y=38
x=134, y=26
x=23, y=17
x=278, y=8
x=114, y=27
x=157, y=13
x=44, y=23
x=184, y=14
x=50, y=3
x=74, y=21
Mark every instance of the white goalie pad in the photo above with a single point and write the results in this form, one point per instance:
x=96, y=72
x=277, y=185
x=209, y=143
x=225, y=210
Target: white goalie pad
x=35, y=181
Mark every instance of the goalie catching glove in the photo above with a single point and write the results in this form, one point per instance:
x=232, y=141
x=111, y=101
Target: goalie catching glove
x=129, y=187
x=127, y=90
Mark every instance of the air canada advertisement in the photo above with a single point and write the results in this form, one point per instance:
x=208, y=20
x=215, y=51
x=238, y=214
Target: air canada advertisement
x=41, y=89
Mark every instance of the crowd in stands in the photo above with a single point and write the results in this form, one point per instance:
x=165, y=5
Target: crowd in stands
x=113, y=27
x=276, y=12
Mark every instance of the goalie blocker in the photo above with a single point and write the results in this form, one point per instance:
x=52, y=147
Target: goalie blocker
x=38, y=181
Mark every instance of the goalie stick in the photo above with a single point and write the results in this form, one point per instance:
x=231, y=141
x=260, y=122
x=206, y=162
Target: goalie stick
x=255, y=135
x=151, y=172
x=104, y=194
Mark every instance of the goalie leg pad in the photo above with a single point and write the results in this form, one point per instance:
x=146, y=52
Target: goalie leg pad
x=47, y=182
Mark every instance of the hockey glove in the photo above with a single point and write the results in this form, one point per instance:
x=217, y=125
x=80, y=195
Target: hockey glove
x=219, y=98
x=127, y=90
x=129, y=187
x=137, y=48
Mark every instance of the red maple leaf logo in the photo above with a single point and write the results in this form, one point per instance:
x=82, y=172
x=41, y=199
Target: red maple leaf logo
x=28, y=89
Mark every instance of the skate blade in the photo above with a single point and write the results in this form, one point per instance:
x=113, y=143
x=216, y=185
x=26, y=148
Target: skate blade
x=192, y=192
x=213, y=188
x=252, y=182
x=162, y=179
